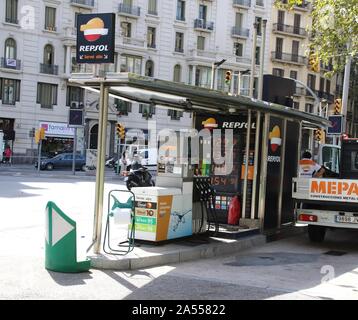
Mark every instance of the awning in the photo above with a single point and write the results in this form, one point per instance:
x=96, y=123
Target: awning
x=189, y=98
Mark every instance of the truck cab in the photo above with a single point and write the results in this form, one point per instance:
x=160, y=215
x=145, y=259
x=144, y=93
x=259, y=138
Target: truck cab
x=327, y=202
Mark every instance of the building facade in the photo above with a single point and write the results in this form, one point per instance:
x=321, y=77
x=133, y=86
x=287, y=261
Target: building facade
x=172, y=40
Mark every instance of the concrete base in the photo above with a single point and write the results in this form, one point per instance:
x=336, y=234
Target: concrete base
x=185, y=250
x=249, y=223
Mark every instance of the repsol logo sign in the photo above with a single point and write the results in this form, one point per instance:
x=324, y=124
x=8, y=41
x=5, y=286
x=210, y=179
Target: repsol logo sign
x=95, y=38
x=237, y=125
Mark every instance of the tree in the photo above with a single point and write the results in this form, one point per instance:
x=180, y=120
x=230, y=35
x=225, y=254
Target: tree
x=334, y=29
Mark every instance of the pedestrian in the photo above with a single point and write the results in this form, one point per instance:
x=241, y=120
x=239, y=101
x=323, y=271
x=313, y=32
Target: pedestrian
x=309, y=168
x=7, y=154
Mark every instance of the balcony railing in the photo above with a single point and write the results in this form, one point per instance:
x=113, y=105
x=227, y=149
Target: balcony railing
x=242, y=3
x=260, y=3
x=304, y=5
x=204, y=53
x=245, y=60
x=300, y=91
x=8, y=63
x=153, y=12
x=203, y=24
x=128, y=9
x=326, y=67
x=134, y=41
x=50, y=28
x=339, y=90
x=288, y=57
x=49, y=68
x=88, y=3
x=152, y=45
x=240, y=32
x=324, y=95
x=278, y=27
x=181, y=50
x=11, y=20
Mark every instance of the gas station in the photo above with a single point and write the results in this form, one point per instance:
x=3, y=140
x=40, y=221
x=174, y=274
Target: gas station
x=268, y=133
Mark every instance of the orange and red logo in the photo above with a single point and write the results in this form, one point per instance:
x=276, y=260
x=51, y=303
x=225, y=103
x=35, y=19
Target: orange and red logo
x=275, y=138
x=210, y=123
x=94, y=29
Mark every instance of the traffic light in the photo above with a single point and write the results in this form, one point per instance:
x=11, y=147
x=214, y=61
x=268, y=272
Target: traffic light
x=121, y=131
x=314, y=62
x=319, y=135
x=228, y=77
x=337, y=106
x=39, y=135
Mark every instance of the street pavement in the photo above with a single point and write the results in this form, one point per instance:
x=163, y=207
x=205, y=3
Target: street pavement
x=291, y=268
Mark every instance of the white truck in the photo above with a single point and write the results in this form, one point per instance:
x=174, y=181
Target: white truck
x=332, y=201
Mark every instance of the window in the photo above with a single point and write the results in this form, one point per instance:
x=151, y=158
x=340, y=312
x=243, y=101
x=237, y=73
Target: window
x=126, y=29
x=131, y=64
x=279, y=46
x=149, y=68
x=238, y=20
x=321, y=84
x=201, y=43
x=181, y=10
x=280, y=20
x=202, y=12
x=175, y=114
x=179, y=42
x=238, y=49
x=74, y=94
x=296, y=23
x=278, y=72
x=177, y=73
x=328, y=86
x=50, y=18
x=296, y=105
x=257, y=56
x=152, y=7
x=9, y=91
x=10, y=49
x=151, y=37
x=293, y=74
x=123, y=107
x=146, y=110
x=311, y=81
x=48, y=54
x=46, y=95
x=295, y=46
x=309, y=108
x=11, y=11
x=203, y=76
x=259, y=26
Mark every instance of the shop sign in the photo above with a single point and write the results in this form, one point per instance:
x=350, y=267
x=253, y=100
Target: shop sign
x=275, y=144
x=333, y=190
x=57, y=129
x=95, y=38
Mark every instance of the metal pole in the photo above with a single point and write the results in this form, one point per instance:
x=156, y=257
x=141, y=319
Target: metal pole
x=253, y=55
x=101, y=154
x=74, y=152
x=299, y=146
x=239, y=84
x=282, y=172
x=247, y=151
x=263, y=172
x=347, y=72
x=118, y=155
x=39, y=156
x=256, y=162
x=262, y=59
x=212, y=76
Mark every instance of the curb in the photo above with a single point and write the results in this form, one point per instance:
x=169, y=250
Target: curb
x=204, y=251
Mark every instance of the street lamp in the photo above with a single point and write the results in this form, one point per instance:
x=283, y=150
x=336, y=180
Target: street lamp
x=213, y=67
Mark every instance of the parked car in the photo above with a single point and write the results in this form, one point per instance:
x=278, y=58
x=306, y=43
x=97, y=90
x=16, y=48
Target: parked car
x=61, y=161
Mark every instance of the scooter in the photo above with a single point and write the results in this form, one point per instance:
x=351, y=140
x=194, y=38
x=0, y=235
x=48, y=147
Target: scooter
x=138, y=178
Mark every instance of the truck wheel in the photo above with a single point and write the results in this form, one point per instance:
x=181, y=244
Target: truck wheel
x=316, y=233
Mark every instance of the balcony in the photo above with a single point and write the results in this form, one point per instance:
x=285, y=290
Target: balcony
x=326, y=67
x=196, y=53
x=133, y=42
x=291, y=30
x=304, y=6
x=339, y=90
x=242, y=3
x=324, y=95
x=8, y=63
x=260, y=3
x=127, y=10
x=49, y=69
x=288, y=58
x=151, y=45
x=153, y=12
x=203, y=25
x=83, y=3
x=244, y=60
x=239, y=32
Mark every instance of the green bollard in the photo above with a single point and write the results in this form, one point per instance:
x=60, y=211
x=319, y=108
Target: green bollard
x=60, y=242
